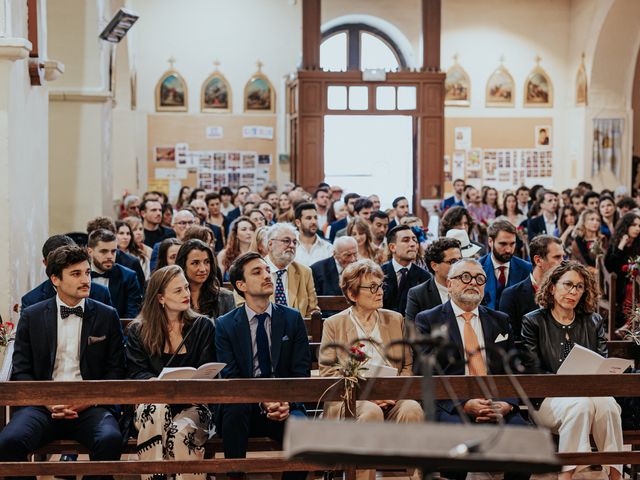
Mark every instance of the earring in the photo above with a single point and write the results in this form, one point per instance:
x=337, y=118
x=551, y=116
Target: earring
x=162, y=305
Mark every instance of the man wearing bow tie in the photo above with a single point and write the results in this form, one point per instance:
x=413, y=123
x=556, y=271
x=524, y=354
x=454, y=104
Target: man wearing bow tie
x=66, y=338
x=126, y=295
x=258, y=339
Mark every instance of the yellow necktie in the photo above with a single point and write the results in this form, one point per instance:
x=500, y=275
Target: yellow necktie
x=472, y=347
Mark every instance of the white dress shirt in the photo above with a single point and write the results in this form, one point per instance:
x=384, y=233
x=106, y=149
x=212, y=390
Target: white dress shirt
x=253, y=327
x=320, y=250
x=397, y=267
x=551, y=225
x=99, y=280
x=477, y=327
x=66, y=366
x=274, y=277
x=496, y=272
x=443, y=291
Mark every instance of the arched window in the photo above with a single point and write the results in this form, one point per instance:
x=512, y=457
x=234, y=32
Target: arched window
x=357, y=46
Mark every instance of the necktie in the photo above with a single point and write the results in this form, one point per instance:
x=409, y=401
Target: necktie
x=106, y=274
x=403, y=278
x=66, y=311
x=502, y=277
x=281, y=298
x=472, y=347
x=262, y=342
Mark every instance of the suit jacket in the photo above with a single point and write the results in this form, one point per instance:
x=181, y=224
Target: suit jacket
x=231, y=216
x=125, y=291
x=217, y=234
x=518, y=271
x=451, y=202
x=132, y=263
x=290, y=353
x=496, y=332
x=516, y=302
x=46, y=290
x=422, y=297
x=336, y=227
x=325, y=277
x=101, y=342
x=394, y=299
x=536, y=226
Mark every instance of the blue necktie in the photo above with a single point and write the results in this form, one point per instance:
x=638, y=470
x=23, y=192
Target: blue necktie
x=281, y=298
x=262, y=342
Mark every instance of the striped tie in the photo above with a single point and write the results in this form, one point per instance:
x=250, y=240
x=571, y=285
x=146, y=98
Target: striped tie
x=472, y=347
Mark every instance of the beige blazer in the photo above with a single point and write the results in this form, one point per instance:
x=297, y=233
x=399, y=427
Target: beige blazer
x=301, y=291
x=339, y=328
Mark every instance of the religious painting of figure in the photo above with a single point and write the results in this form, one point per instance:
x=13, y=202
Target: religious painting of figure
x=457, y=87
x=216, y=94
x=259, y=95
x=171, y=93
x=538, y=91
x=500, y=89
x=581, y=85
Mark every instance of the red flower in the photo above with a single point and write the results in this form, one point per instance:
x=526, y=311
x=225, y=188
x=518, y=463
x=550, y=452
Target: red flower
x=625, y=268
x=635, y=273
x=10, y=325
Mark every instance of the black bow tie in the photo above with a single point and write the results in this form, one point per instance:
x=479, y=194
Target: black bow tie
x=66, y=311
x=106, y=274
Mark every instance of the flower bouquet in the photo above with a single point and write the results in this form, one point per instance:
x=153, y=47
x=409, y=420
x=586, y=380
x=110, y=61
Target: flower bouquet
x=6, y=330
x=632, y=269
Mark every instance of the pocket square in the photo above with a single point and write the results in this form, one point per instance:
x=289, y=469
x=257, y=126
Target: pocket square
x=501, y=338
x=285, y=338
x=91, y=340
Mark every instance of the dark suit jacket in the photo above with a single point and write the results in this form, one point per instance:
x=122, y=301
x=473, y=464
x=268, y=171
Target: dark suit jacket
x=46, y=290
x=536, y=226
x=325, y=277
x=217, y=234
x=336, y=227
x=126, y=294
x=231, y=216
x=394, y=299
x=518, y=271
x=516, y=302
x=495, y=325
x=132, y=263
x=451, y=202
x=36, y=343
x=422, y=297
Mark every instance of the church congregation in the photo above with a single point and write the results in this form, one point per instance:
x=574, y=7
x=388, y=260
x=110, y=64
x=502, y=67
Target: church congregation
x=362, y=216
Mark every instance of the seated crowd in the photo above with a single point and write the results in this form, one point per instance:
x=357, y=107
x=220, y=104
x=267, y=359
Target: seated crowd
x=517, y=272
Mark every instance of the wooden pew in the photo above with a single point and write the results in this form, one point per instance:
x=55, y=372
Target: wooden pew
x=332, y=303
x=607, y=307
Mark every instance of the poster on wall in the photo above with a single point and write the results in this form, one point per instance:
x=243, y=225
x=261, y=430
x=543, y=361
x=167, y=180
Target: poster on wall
x=474, y=167
x=459, y=159
x=164, y=153
x=462, y=138
x=542, y=136
x=607, y=144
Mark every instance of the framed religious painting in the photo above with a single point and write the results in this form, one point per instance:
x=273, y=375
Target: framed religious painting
x=457, y=86
x=500, y=90
x=259, y=95
x=581, y=85
x=215, y=95
x=538, y=89
x=171, y=92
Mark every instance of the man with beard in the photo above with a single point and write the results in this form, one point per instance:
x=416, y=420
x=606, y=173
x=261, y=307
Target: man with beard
x=379, y=221
x=480, y=333
x=154, y=232
x=122, y=283
x=312, y=248
x=500, y=266
x=293, y=281
x=400, y=273
x=454, y=200
x=321, y=201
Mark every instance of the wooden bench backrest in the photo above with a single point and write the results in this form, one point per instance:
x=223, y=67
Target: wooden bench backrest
x=332, y=303
x=607, y=303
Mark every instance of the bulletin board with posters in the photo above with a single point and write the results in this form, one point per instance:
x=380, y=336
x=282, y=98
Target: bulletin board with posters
x=210, y=151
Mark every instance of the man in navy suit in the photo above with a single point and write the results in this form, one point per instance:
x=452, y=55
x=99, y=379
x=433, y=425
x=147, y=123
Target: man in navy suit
x=122, y=283
x=241, y=196
x=326, y=273
x=350, y=201
x=478, y=334
x=547, y=222
x=46, y=289
x=259, y=339
x=518, y=300
x=66, y=338
x=454, y=200
x=400, y=273
x=501, y=267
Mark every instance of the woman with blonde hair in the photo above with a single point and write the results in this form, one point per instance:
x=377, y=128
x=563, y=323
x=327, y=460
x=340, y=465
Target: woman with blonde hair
x=359, y=229
x=168, y=333
x=260, y=241
x=588, y=241
x=242, y=231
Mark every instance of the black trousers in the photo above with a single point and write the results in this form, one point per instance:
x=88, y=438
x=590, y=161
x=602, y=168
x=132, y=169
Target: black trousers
x=32, y=427
x=235, y=423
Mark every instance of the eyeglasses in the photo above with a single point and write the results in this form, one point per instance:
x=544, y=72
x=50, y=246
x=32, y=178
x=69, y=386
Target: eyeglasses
x=288, y=241
x=570, y=286
x=466, y=278
x=373, y=288
x=184, y=222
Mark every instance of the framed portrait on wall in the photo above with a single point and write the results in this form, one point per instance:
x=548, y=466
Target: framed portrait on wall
x=538, y=89
x=500, y=89
x=543, y=136
x=581, y=85
x=259, y=95
x=457, y=86
x=215, y=95
x=171, y=92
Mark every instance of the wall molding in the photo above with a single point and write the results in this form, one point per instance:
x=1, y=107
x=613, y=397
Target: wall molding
x=80, y=95
x=14, y=48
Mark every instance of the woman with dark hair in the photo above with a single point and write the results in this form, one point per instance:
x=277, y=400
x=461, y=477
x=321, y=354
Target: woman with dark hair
x=588, y=242
x=459, y=218
x=567, y=219
x=183, y=198
x=609, y=214
x=167, y=252
x=198, y=263
x=241, y=234
x=490, y=198
x=141, y=251
x=197, y=194
x=510, y=210
x=568, y=297
x=168, y=333
x=258, y=218
x=167, y=215
x=623, y=247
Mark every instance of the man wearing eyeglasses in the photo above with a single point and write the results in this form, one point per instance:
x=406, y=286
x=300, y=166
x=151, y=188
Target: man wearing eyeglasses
x=293, y=281
x=480, y=334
